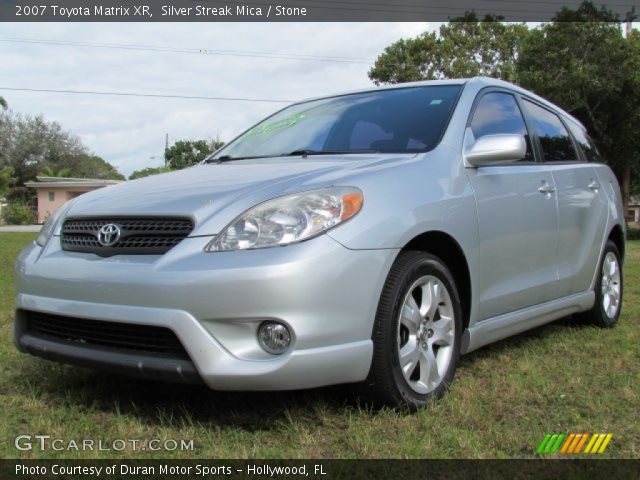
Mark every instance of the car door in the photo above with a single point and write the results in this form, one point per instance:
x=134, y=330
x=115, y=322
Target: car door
x=582, y=203
x=517, y=216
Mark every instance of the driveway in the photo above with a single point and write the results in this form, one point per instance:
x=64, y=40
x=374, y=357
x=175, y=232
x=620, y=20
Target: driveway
x=20, y=228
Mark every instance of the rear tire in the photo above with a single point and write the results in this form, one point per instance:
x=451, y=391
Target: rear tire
x=608, y=290
x=416, y=334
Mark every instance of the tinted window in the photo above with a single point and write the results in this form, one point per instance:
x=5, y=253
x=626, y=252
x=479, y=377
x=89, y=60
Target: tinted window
x=497, y=113
x=554, y=139
x=399, y=120
x=364, y=134
x=585, y=142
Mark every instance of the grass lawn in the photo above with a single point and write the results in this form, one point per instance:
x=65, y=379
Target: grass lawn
x=506, y=397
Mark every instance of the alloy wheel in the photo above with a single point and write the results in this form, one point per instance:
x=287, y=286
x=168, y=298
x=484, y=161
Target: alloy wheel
x=426, y=333
x=610, y=285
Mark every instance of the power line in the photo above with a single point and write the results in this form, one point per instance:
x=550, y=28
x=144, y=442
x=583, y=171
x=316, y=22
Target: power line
x=155, y=48
x=152, y=95
x=199, y=51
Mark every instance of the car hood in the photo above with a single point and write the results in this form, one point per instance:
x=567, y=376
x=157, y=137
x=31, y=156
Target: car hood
x=214, y=194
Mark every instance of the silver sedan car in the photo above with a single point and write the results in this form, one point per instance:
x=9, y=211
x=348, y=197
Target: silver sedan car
x=368, y=237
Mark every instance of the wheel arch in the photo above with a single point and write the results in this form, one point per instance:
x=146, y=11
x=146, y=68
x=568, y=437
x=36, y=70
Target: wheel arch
x=447, y=249
x=616, y=235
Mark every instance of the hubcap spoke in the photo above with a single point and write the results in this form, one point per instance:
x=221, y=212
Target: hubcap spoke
x=429, y=369
x=430, y=299
x=606, y=265
x=612, y=267
x=409, y=355
x=411, y=317
x=443, y=332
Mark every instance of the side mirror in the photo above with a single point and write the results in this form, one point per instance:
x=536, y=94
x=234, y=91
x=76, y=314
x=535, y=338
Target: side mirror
x=491, y=149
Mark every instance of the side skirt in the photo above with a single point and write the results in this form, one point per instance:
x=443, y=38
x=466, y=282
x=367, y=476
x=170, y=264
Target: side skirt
x=503, y=326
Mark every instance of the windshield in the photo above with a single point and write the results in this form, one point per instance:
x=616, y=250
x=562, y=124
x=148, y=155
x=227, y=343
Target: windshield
x=404, y=120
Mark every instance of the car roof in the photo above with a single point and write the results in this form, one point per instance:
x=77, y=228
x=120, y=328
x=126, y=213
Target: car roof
x=394, y=86
x=476, y=82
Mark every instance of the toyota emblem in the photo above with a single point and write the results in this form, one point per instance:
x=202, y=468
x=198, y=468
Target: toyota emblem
x=108, y=235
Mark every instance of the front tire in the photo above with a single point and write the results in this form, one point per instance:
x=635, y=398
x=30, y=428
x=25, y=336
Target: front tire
x=417, y=332
x=608, y=290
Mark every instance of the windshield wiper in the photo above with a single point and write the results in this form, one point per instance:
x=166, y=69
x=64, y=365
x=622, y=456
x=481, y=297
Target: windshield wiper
x=219, y=159
x=228, y=158
x=302, y=152
x=307, y=152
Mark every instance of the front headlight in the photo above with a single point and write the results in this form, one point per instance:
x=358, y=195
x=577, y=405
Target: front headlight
x=290, y=219
x=50, y=224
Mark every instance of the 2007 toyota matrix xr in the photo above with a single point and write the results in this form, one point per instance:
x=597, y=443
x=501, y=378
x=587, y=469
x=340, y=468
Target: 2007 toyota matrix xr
x=367, y=237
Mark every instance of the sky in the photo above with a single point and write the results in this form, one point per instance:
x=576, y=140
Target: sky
x=129, y=132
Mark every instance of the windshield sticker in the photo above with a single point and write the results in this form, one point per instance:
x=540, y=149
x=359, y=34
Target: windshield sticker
x=436, y=102
x=272, y=127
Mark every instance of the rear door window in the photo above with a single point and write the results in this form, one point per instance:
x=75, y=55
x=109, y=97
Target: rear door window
x=554, y=138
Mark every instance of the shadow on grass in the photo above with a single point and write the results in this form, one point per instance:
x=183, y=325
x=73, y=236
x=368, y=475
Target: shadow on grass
x=169, y=404
x=172, y=404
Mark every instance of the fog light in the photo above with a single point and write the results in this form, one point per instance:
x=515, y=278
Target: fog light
x=274, y=337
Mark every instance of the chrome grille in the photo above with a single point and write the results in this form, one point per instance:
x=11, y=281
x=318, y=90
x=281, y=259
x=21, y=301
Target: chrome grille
x=138, y=236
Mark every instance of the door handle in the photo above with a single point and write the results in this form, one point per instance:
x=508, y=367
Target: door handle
x=594, y=185
x=546, y=189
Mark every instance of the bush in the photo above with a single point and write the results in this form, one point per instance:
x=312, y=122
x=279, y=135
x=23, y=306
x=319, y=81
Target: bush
x=633, y=233
x=18, y=214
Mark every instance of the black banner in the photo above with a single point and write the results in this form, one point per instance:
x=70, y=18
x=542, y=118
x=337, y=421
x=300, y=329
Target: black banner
x=320, y=469
x=289, y=10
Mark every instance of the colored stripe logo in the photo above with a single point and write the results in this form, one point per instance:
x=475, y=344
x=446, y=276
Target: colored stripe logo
x=574, y=443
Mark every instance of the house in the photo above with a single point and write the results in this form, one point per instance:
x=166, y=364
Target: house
x=634, y=208
x=3, y=203
x=53, y=192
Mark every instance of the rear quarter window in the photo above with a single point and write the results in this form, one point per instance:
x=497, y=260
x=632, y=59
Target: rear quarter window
x=585, y=143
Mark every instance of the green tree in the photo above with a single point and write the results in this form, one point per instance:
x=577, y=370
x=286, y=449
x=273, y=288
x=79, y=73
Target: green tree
x=6, y=180
x=466, y=47
x=185, y=153
x=583, y=63
x=87, y=165
x=146, y=172
x=19, y=213
x=3, y=103
x=31, y=144
x=47, y=171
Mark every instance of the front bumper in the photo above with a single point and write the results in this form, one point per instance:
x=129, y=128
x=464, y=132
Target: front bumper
x=214, y=303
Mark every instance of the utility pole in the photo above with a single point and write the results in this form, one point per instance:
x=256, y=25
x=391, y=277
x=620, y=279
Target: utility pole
x=626, y=174
x=631, y=16
x=166, y=147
